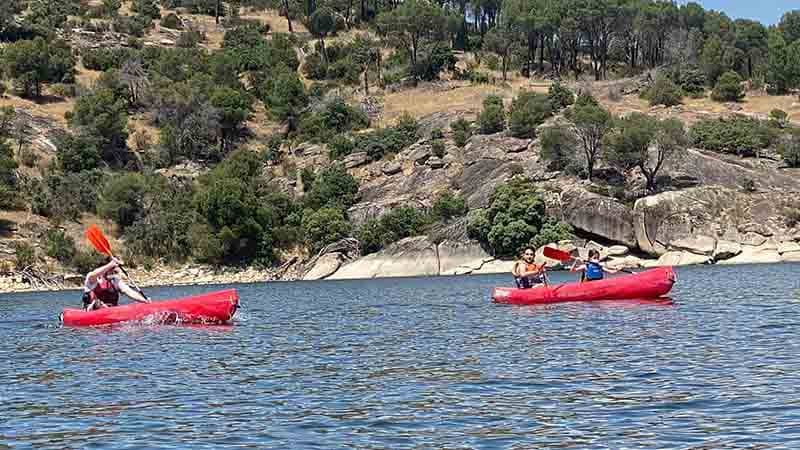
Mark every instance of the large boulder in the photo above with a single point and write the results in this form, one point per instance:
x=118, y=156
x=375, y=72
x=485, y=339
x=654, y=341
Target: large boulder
x=726, y=249
x=355, y=160
x=682, y=258
x=458, y=258
x=499, y=144
x=414, y=256
x=674, y=220
x=598, y=215
x=325, y=266
x=750, y=255
x=701, y=245
x=788, y=247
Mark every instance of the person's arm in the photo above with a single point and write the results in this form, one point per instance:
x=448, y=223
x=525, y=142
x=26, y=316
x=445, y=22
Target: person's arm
x=91, y=277
x=515, y=270
x=577, y=266
x=130, y=292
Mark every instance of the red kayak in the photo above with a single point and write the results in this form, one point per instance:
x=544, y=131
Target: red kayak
x=213, y=307
x=649, y=284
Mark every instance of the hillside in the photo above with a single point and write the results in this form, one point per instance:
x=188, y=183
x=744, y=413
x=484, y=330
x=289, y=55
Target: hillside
x=205, y=159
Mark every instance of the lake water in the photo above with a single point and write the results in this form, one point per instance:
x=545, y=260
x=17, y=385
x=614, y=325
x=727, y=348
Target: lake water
x=416, y=363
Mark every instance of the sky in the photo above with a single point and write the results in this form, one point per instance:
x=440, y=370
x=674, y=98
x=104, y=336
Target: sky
x=767, y=12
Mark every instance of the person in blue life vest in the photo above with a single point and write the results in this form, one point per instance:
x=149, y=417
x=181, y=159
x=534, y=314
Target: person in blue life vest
x=103, y=285
x=591, y=270
x=527, y=273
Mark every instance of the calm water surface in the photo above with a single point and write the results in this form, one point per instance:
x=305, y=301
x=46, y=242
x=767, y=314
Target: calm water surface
x=416, y=363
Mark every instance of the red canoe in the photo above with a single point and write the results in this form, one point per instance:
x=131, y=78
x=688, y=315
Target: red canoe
x=212, y=307
x=649, y=284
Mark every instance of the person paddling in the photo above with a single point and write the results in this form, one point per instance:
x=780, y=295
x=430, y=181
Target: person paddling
x=591, y=270
x=103, y=285
x=527, y=273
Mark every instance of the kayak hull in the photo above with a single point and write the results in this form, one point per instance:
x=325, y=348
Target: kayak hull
x=650, y=284
x=212, y=307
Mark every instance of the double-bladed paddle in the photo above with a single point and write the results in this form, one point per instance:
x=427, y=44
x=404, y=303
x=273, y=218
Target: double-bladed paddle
x=99, y=242
x=563, y=256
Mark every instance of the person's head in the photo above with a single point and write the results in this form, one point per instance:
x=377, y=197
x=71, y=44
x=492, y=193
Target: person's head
x=594, y=254
x=528, y=254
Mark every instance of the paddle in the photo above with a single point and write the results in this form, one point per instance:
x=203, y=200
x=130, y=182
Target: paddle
x=563, y=256
x=99, y=242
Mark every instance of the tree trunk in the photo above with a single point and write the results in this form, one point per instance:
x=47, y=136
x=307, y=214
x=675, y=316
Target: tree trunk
x=366, y=80
x=216, y=18
x=288, y=15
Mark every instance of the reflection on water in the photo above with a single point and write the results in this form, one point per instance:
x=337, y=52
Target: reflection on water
x=416, y=363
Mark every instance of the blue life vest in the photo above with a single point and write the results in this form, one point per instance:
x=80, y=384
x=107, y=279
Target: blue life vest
x=593, y=271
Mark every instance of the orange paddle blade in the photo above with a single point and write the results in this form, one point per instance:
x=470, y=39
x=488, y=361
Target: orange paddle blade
x=552, y=253
x=98, y=240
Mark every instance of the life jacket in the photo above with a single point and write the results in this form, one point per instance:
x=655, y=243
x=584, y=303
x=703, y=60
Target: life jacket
x=105, y=292
x=593, y=271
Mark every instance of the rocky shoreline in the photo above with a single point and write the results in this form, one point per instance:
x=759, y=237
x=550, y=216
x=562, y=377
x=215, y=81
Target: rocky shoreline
x=418, y=256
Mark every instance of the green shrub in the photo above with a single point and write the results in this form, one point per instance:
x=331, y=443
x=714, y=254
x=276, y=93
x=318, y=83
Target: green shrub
x=736, y=134
x=514, y=220
x=791, y=214
x=492, y=62
x=24, y=255
x=493, y=117
x=172, y=21
x=399, y=223
x=558, y=147
x=122, y=199
x=448, y=206
x=324, y=226
x=560, y=96
x=384, y=141
x=189, y=39
x=461, y=132
x=528, y=111
x=690, y=80
x=663, y=92
x=778, y=118
x=728, y=88
x=86, y=261
x=58, y=245
x=340, y=146
x=585, y=98
x=789, y=148
x=437, y=133
x=65, y=196
x=314, y=67
x=333, y=186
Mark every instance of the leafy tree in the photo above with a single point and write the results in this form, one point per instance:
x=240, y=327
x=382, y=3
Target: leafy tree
x=284, y=95
x=560, y=96
x=502, y=40
x=77, y=153
x=324, y=226
x=493, y=117
x=558, y=146
x=102, y=115
x=234, y=108
x=46, y=15
x=783, y=64
x=32, y=63
x=448, y=206
x=321, y=23
x=789, y=26
x=663, y=92
x=631, y=145
x=528, y=111
x=410, y=25
x=713, y=58
x=737, y=134
x=122, y=199
x=59, y=245
x=147, y=8
x=365, y=53
x=399, y=223
x=751, y=39
x=462, y=130
x=333, y=186
x=590, y=123
x=513, y=220
x=728, y=88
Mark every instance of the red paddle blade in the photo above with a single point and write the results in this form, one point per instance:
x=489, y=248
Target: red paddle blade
x=98, y=240
x=559, y=255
